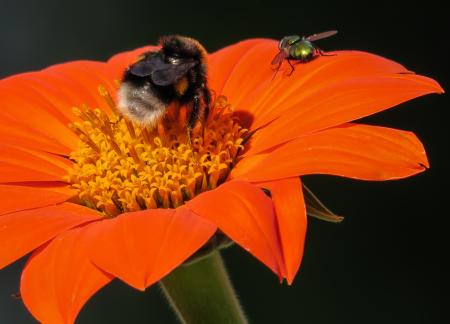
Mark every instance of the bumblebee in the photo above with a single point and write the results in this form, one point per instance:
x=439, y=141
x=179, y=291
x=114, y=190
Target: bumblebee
x=300, y=49
x=175, y=73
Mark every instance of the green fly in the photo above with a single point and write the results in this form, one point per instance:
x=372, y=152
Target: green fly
x=301, y=49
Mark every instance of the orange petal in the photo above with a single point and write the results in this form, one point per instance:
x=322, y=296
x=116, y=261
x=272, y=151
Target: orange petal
x=338, y=103
x=23, y=231
x=223, y=63
x=350, y=150
x=325, y=92
x=251, y=87
x=51, y=94
x=77, y=83
x=80, y=81
x=24, y=110
x=20, y=164
x=119, y=62
x=244, y=213
x=22, y=135
x=59, y=279
x=18, y=197
x=142, y=247
x=271, y=97
x=290, y=212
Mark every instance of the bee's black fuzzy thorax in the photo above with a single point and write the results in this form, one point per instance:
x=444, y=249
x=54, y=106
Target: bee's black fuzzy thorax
x=182, y=47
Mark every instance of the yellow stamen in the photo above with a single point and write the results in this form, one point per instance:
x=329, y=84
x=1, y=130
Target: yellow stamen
x=121, y=167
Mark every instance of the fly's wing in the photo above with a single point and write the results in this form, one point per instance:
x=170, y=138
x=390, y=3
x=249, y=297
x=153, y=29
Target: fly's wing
x=167, y=74
x=326, y=34
x=278, y=58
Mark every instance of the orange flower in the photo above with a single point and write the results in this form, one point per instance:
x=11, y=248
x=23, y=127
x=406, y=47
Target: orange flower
x=135, y=204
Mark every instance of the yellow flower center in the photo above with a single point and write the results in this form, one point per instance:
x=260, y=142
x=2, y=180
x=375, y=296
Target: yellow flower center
x=121, y=167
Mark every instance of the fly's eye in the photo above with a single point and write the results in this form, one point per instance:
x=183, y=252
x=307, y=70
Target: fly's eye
x=291, y=40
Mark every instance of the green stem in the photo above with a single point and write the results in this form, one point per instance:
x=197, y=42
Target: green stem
x=202, y=293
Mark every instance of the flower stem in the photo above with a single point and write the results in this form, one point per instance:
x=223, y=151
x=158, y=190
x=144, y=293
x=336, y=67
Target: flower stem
x=202, y=293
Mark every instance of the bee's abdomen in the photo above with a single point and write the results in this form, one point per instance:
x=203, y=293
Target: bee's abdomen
x=141, y=103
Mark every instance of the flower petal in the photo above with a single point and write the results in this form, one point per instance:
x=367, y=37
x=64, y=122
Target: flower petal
x=23, y=197
x=51, y=94
x=23, y=231
x=223, y=63
x=142, y=247
x=244, y=213
x=250, y=84
x=76, y=84
x=19, y=164
x=59, y=278
x=350, y=150
x=326, y=92
x=25, y=136
x=290, y=212
x=339, y=103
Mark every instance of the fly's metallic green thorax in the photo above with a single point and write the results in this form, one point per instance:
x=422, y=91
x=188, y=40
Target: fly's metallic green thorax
x=303, y=50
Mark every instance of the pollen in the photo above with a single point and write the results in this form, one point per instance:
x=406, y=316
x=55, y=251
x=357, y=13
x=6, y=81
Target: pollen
x=122, y=167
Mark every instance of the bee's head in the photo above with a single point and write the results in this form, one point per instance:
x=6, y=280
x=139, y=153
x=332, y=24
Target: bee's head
x=182, y=47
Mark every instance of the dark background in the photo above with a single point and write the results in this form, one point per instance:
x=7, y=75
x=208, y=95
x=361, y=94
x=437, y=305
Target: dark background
x=385, y=262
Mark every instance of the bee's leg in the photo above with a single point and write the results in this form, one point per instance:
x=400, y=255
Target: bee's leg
x=207, y=100
x=292, y=67
x=193, y=117
x=192, y=120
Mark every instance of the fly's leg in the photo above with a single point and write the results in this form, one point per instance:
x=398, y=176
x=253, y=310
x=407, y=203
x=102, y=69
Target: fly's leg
x=322, y=53
x=292, y=67
x=277, y=69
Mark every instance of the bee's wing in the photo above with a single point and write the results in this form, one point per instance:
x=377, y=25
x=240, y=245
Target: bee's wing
x=146, y=67
x=167, y=74
x=326, y=34
x=278, y=58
